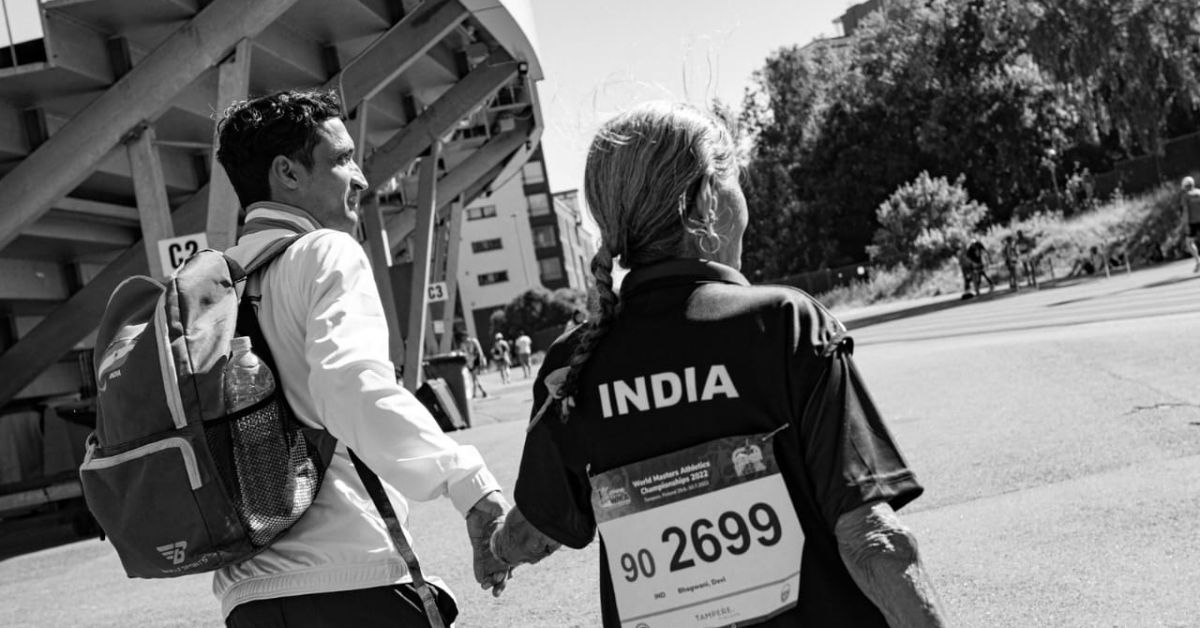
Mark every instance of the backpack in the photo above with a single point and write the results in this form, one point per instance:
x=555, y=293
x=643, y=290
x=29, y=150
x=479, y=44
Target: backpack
x=178, y=485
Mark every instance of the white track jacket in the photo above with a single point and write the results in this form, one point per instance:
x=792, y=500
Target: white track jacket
x=324, y=322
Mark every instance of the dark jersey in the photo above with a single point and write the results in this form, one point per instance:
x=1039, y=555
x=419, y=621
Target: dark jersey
x=786, y=362
x=976, y=252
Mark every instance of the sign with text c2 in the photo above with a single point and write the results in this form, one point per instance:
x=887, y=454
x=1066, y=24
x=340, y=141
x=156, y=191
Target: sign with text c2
x=175, y=251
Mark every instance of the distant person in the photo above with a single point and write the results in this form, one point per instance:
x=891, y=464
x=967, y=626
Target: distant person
x=500, y=355
x=1087, y=264
x=686, y=375
x=523, y=352
x=1190, y=201
x=1012, y=262
x=1026, y=246
x=469, y=346
x=964, y=266
x=980, y=259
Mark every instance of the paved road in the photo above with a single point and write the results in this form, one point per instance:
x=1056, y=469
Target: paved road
x=1057, y=433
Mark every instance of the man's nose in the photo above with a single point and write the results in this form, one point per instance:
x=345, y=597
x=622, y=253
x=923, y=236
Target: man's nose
x=359, y=180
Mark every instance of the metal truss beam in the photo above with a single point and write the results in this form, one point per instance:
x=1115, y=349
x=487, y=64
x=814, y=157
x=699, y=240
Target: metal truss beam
x=439, y=118
x=68, y=157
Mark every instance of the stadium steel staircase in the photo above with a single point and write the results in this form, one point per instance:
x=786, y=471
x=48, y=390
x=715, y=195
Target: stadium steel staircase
x=106, y=131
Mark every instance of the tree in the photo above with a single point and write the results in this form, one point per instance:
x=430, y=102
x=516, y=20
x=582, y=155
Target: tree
x=781, y=114
x=924, y=221
x=1131, y=65
x=537, y=309
x=932, y=85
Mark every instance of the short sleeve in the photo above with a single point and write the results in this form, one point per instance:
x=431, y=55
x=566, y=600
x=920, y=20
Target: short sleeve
x=851, y=455
x=552, y=488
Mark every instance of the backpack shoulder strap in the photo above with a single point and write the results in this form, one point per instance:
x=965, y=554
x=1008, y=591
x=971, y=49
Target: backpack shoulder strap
x=384, y=506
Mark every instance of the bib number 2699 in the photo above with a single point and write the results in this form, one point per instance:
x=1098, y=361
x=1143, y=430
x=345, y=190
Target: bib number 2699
x=707, y=540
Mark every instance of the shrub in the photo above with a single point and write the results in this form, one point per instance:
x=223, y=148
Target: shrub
x=896, y=283
x=923, y=222
x=537, y=309
x=1145, y=227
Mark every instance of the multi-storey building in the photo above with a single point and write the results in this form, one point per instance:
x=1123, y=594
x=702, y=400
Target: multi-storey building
x=107, y=169
x=518, y=237
x=579, y=238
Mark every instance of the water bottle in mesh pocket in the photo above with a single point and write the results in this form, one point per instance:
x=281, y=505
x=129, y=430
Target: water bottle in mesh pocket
x=268, y=466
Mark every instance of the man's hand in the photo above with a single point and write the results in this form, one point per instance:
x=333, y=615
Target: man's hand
x=517, y=541
x=482, y=520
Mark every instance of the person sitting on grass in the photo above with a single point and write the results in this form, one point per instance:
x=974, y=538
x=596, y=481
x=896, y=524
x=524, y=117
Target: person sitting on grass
x=1087, y=264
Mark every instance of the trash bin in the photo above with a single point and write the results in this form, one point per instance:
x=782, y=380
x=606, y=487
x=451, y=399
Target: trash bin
x=435, y=395
x=452, y=369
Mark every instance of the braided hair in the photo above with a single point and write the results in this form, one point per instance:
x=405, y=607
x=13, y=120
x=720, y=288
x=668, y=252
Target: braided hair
x=644, y=172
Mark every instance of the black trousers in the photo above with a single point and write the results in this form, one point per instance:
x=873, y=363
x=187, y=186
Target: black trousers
x=391, y=606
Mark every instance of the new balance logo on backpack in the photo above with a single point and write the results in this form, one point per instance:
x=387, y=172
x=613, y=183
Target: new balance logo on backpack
x=163, y=472
x=174, y=552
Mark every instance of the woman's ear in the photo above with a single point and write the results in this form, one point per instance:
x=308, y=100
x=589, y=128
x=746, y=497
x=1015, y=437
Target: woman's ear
x=706, y=201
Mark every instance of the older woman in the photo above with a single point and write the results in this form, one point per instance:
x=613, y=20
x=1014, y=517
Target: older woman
x=716, y=433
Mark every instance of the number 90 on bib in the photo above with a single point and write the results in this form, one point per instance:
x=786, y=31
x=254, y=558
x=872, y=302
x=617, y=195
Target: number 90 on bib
x=706, y=536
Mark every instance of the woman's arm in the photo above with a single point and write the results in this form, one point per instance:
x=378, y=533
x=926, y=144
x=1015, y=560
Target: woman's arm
x=881, y=555
x=516, y=541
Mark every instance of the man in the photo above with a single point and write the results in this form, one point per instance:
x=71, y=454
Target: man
x=523, y=350
x=980, y=259
x=1190, y=201
x=1025, y=253
x=470, y=347
x=964, y=266
x=1010, y=262
x=291, y=162
x=500, y=356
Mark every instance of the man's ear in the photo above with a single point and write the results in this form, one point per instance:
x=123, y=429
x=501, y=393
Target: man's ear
x=285, y=172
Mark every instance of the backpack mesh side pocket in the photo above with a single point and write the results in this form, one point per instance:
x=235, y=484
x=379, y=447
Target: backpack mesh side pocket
x=270, y=470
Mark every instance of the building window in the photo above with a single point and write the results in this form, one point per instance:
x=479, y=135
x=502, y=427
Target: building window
x=538, y=205
x=487, y=279
x=544, y=236
x=551, y=268
x=476, y=213
x=481, y=246
x=533, y=172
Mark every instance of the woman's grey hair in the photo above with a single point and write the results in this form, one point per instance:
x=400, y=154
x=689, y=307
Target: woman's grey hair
x=644, y=172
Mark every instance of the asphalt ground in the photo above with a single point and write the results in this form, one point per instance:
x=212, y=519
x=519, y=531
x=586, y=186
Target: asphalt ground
x=1057, y=433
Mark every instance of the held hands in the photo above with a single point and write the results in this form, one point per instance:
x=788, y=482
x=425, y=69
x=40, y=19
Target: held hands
x=516, y=541
x=483, y=519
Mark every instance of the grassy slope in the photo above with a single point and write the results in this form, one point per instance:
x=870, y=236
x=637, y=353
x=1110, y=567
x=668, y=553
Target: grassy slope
x=1145, y=226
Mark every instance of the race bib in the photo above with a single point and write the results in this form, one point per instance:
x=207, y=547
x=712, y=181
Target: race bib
x=706, y=536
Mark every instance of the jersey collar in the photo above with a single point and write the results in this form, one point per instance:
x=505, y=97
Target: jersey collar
x=684, y=270
x=271, y=214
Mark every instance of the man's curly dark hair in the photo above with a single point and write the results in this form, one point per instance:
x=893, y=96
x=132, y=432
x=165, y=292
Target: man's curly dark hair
x=253, y=132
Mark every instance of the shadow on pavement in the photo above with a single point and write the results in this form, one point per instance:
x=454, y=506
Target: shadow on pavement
x=1155, y=284
x=918, y=310
x=1169, y=282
